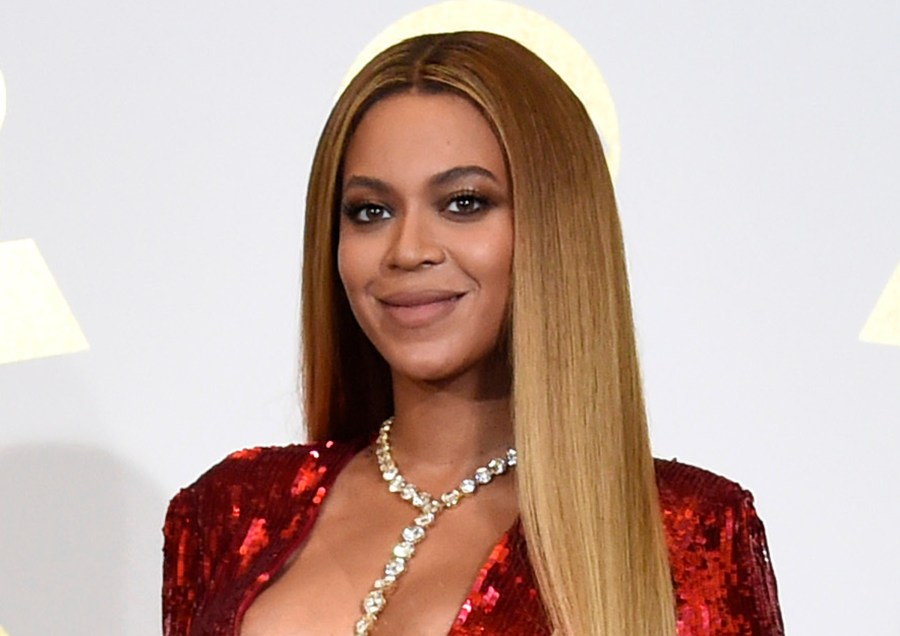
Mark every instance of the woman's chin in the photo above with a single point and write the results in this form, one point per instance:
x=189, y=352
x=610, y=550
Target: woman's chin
x=427, y=371
x=481, y=374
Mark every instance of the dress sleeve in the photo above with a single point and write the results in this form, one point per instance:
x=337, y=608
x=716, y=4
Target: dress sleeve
x=723, y=578
x=757, y=595
x=721, y=572
x=183, y=579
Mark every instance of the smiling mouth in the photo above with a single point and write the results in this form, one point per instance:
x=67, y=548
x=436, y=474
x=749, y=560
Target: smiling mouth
x=420, y=309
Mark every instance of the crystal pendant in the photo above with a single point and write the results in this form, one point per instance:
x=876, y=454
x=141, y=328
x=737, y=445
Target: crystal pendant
x=390, y=474
x=413, y=534
x=404, y=550
x=425, y=519
x=374, y=602
x=397, y=484
x=395, y=568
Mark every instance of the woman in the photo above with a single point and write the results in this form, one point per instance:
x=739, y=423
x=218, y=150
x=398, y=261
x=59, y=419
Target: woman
x=465, y=284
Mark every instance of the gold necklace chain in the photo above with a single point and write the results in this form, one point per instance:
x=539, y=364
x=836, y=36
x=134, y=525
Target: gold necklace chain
x=428, y=508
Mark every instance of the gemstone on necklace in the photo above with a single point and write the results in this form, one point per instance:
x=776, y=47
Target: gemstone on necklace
x=451, y=497
x=363, y=625
x=383, y=583
x=413, y=534
x=397, y=484
x=390, y=474
x=425, y=519
x=511, y=457
x=395, y=567
x=408, y=492
x=497, y=466
x=467, y=486
x=483, y=475
x=374, y=602
x=404, y=550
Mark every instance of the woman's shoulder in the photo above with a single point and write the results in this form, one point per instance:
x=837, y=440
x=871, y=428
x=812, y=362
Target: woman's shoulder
x=682, y=485
x=229, y=527
x=261, y=476
x=264, y=465
x=706, y=516
x=718, y=553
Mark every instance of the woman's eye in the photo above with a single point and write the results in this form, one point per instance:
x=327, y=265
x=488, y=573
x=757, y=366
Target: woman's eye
x=467, y=204
x=366, y=213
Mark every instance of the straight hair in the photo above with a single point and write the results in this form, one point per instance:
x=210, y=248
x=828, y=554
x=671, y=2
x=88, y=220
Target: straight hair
x=587, y=487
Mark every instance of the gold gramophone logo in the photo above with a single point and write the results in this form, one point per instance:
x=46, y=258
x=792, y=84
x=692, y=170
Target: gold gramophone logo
x=883, y=325
x=35, y=319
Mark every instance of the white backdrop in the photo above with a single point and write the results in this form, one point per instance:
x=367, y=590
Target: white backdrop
x=158, y=153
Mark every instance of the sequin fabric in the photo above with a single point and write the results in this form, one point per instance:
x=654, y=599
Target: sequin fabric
x=232, y=530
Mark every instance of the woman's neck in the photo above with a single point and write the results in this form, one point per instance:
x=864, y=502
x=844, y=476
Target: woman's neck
x=444, y=430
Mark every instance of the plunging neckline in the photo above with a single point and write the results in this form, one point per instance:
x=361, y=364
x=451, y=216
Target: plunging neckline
x=252, y=593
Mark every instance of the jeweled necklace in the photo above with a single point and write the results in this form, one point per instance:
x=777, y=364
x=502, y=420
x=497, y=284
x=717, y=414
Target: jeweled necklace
x=428, y=507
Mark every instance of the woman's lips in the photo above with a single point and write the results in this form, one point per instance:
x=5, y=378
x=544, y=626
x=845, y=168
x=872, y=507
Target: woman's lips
x=419, y=309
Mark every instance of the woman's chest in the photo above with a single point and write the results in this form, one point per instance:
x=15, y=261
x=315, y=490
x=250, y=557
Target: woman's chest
x=322, y=592
x=470, y=566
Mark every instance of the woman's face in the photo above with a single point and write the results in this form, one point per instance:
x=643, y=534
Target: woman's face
x=426, y=234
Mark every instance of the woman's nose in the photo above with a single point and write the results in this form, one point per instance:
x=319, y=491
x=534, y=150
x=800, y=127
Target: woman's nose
x=414, y=242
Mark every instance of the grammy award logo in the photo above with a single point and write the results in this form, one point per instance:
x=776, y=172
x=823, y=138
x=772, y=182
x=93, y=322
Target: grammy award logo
x=883, y=325
x=35, y=320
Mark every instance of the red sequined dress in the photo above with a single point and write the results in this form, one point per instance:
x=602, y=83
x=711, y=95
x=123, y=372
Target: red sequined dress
x=229, y=533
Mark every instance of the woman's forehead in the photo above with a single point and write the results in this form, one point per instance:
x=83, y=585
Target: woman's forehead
x=414, y=136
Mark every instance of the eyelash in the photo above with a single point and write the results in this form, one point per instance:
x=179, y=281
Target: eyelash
x=482, y=202
x=354, y=209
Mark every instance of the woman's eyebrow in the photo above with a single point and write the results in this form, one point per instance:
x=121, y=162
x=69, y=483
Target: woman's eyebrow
x=358, y=181
x=443, y=178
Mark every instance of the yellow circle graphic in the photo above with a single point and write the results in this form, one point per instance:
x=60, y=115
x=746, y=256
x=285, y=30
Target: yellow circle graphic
x=551, y=42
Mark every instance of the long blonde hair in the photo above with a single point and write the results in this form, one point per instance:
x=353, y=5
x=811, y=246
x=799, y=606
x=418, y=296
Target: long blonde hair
x=587, y=488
